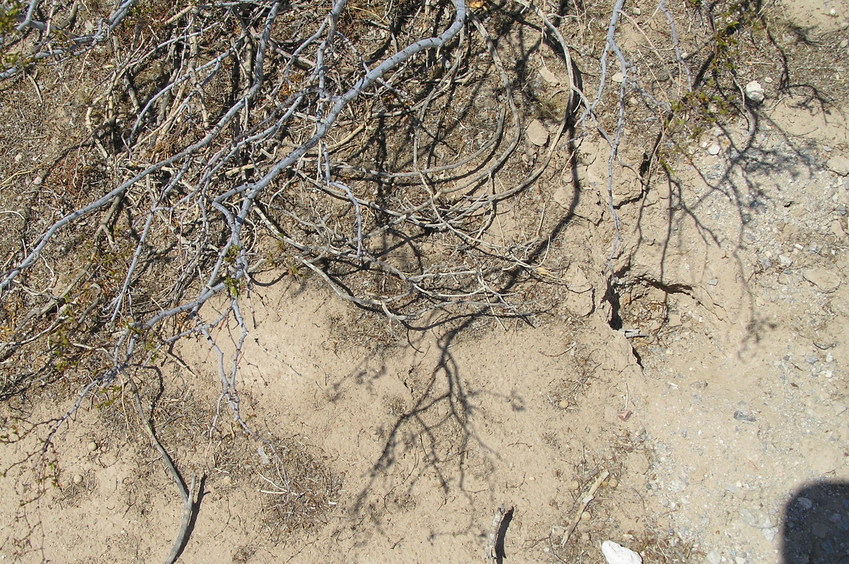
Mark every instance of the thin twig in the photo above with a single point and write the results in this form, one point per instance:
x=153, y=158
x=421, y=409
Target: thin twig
x=585, y=501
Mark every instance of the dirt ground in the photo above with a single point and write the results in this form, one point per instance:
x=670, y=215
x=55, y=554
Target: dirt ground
x=694, y=407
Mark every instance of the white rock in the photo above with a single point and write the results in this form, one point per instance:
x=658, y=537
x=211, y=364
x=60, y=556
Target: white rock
x=537, y=133
x=713, y=149
x=617, y=554
x=617, y=77
x=755, y=92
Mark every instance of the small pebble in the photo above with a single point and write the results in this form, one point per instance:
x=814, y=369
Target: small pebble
x=713, y=149
x=92, y=446
x=574, y=485
x=741, y=416
x=549, y=76
x=78, y=478
x=839, y=165
x=755, y=519
x=769, y=534
x=537, y=133
x=617, y=77
x=820, y=530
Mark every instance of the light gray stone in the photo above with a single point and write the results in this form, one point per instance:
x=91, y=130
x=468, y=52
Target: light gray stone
x=770, y=533
x=537, y=133
x=549, y=76
x=825, y=280
x=838, y=164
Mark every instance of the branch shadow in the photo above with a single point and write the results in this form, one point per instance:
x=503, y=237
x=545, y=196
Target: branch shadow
x=763, y=151
x=441, y=421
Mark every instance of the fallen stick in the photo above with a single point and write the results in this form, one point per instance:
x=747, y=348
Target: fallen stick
x=585, y=501
x=187, y=495
x=496, y=534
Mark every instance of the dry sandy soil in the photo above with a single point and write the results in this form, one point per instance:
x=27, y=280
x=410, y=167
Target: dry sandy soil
x=700, y=399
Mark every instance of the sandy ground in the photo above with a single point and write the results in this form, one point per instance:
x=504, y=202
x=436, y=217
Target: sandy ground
x=700, y=400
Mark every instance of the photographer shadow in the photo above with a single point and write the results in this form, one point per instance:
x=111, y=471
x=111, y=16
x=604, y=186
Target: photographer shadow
x=816, y=525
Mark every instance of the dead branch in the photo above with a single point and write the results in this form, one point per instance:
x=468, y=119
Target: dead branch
x=186, y=494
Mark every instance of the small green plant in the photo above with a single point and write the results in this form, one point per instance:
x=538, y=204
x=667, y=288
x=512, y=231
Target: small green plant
x=234, y=286
x=9, y=12
x=714, y=99
x=112, y=393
